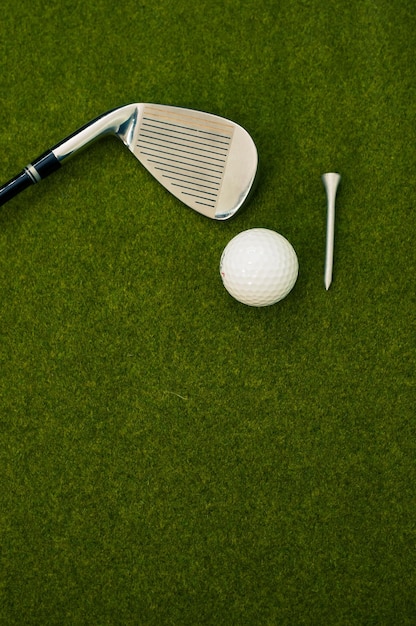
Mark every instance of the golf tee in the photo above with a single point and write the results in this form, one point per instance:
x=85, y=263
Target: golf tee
x=330, y=181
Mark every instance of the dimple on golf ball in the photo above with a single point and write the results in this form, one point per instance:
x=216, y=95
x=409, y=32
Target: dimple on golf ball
x=259, y=267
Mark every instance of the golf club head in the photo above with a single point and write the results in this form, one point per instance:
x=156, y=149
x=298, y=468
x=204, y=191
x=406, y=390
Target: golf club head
x=206, y=161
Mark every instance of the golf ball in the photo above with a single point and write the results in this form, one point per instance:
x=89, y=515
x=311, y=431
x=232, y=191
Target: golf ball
x=259, y=267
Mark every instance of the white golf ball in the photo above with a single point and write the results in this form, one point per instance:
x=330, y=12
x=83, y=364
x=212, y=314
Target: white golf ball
x=259, y=267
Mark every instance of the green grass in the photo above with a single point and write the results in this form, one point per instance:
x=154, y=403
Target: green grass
x=169, y=456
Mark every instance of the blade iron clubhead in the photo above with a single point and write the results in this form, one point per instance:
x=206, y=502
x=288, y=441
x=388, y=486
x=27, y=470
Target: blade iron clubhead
x=207, y=162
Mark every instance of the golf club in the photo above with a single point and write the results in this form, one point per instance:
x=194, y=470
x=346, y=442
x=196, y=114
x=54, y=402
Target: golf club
x=206, y=161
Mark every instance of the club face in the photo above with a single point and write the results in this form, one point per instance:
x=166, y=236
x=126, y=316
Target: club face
x=207, y=162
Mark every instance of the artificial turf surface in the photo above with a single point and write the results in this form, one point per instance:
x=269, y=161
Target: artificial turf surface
x=168, y=455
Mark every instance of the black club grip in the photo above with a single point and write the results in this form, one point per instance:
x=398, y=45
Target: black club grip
x=46, y=164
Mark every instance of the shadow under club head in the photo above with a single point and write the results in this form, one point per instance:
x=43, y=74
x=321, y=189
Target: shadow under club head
x=206, y=161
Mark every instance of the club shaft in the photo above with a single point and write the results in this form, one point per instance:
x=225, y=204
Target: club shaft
x=46, y=164
x=118, y=121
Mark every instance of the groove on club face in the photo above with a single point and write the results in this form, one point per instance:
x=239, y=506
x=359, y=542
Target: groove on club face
x=209, y=163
